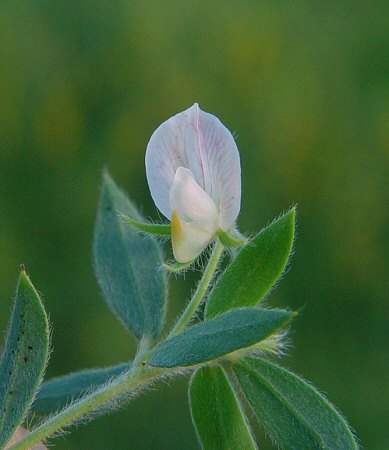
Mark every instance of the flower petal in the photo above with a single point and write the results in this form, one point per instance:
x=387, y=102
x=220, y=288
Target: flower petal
x=188, y=239
x=192, y=203
x=195, y=219
x=200, y=142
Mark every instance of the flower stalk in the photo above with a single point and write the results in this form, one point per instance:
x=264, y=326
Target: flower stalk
x=201, y=290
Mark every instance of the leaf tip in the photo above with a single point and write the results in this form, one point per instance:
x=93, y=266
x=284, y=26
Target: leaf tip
x=105, y=171
x=107, y=181
x=292, y=213
x=23, y=277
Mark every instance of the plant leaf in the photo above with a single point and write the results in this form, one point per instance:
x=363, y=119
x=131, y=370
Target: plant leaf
x=152, y=228
x=292, y=412
x=255, y=269
x=217, y=337
x=24, y=357
x=216, y=413
x=127, y=265
x=55, y=394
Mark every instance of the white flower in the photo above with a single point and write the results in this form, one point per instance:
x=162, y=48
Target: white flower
x=193, y=171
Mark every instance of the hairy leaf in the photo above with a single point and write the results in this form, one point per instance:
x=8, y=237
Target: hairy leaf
x=219, y=336
x=55, y=394
x=255, y=269
x=128, y=265
x=24, y=357
x=216, y=413
x=292, y=412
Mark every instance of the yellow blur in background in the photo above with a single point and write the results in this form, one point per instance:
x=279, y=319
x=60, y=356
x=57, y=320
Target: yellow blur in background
x=304, y=86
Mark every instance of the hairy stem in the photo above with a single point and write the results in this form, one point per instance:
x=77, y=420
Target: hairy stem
x=140, y=375
x=201, y=290
x=137, y=378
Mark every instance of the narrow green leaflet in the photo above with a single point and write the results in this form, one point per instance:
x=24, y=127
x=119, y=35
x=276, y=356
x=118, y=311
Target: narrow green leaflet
x=291, y=411
x=216, y=413
x=128, y=265
x=217, y=337
x=152, y=228
x=59, y=392
x=24, y=357
x=255, y=269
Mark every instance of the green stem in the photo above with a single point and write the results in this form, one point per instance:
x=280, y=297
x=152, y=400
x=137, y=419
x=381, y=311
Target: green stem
x=138, y=378
x=201, y=290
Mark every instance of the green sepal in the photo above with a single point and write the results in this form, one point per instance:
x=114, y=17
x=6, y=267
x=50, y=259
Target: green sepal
x=216, y=413
x=217, y=337
x=231, y=239
x=24, y=357
x=59, y=392
x=255, y=269
x=177, y=267
x=152, y=228
x=127, y=265
x=292, y=412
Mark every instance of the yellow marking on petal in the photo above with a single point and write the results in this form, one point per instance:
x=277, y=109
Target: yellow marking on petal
x=188, y=239
x=177, y=228
x=177, y=234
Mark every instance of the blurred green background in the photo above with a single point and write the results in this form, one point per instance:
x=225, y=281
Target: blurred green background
x=305, y=88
